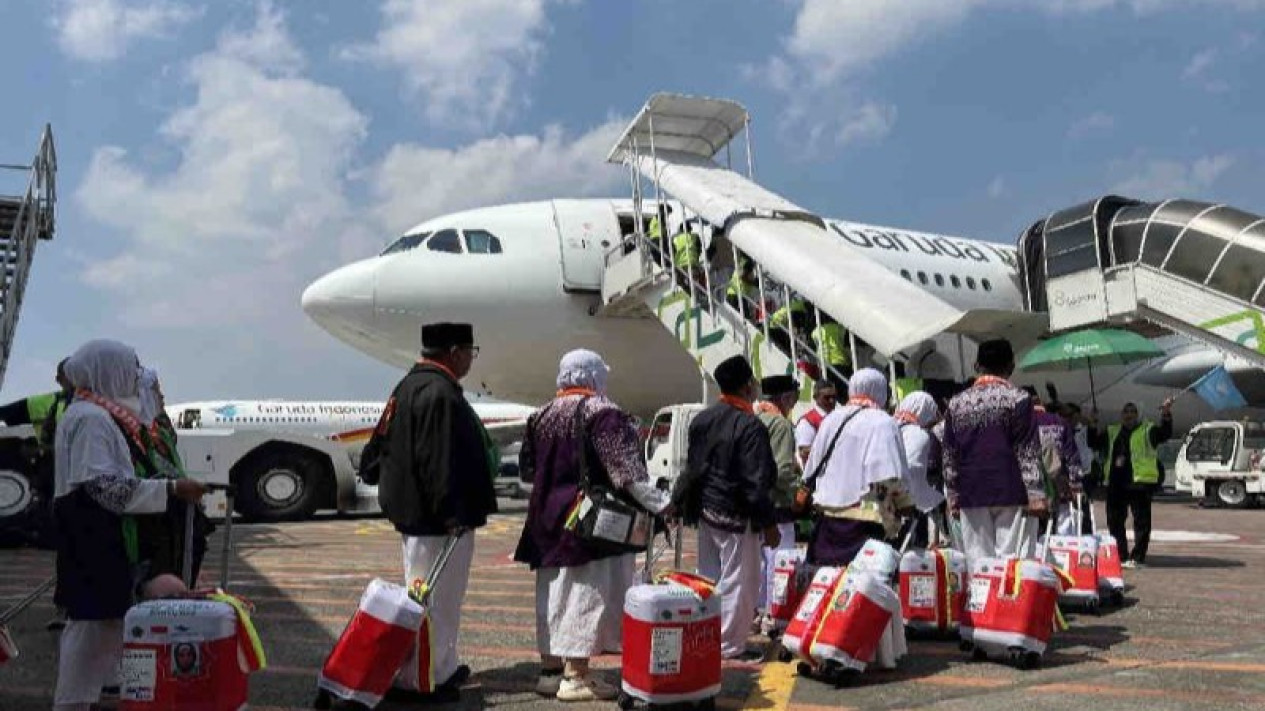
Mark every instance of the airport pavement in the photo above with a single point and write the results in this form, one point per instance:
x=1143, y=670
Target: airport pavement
x=1191, y=635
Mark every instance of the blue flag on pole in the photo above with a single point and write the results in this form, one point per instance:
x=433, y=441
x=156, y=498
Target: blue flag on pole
x=1218, y=390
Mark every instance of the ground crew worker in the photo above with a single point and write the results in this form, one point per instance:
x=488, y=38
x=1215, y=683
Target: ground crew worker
x=435, y=482
x=1134, y=473
x=726, y=493
x=42, y=412
x=744, y=285
x=831, y=340
x=786, y=322
x=654, y=231
x=687, y=251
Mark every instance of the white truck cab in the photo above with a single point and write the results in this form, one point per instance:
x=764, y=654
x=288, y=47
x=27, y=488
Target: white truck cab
x=1222, y=461
x=668, y=443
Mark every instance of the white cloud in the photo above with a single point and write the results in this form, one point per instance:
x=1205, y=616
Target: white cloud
x=102, y=30
x=416, y=182
x=997, y=187
x=258, y=190
x=462, y=58
x=1097, y=122
x=833, y=44
x=1197, y=71
x=872, y=122
x=1153, y=179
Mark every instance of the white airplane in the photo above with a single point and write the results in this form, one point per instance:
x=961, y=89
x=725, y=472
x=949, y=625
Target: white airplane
x=527, y=276
x=350, y=423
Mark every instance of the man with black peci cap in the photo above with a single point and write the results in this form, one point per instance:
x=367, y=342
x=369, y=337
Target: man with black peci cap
x=726, y=493
x=992, y=453
x=436, y=481
x=781, y=392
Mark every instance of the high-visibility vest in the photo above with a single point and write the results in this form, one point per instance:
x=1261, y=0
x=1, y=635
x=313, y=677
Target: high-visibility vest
x=831, y=342
x=44, y=410
x=655, y=231
x=782, y=317
x=1146, y=465
x=686, y=249
x=739, y=287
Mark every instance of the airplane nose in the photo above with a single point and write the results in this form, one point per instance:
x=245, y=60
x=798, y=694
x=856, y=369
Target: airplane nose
x=343, y=299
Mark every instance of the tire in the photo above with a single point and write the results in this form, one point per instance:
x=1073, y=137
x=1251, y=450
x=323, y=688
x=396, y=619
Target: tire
x=280, y=486
x=16, y=500
x=1231, y=493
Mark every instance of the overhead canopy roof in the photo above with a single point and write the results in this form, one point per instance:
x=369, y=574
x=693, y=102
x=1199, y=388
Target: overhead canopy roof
x=685, y=124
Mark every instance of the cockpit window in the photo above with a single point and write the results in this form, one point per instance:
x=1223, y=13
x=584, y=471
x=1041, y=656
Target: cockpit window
x=445, y=241
x=482, y=242
x=405, y=243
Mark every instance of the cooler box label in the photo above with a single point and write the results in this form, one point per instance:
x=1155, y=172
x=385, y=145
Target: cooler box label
x=138, y=675
x=665, y=650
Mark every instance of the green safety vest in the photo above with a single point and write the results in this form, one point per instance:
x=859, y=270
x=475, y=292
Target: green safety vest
x=1146, y=465
x=782, y=317
x=830, y=339
x=43, y=410
x=685, y=246
x=655, y=231
x=738, y=287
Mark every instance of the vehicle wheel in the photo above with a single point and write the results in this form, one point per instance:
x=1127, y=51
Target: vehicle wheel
x=626, y=701
x=1231, y=492
x=16, y=496
x=966, y=645
x=279, y=486
x=785, y=656
x=1029, y=660
x=979, y=655
x=804, y=669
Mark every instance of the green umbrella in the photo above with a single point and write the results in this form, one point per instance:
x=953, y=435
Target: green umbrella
x=1085, y=349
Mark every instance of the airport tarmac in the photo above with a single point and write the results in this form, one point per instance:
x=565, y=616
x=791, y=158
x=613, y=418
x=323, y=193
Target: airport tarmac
x=1191, y=635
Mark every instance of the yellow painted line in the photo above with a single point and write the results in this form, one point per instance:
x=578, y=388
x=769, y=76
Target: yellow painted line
x=773, y=687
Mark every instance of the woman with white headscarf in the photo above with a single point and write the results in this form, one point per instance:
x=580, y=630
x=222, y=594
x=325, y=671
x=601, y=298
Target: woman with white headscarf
x=97, y=497
x=857, y=470
x=916, y=414
x=579, y=590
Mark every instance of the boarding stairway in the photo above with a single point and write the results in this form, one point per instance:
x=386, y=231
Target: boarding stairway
x=25, y=219
x=1195, y=268
x=672, y=146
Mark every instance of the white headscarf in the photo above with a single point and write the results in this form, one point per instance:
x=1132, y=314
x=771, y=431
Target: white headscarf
x=868, y=382
x=583, y=369
x=151, y=398
x=921, y=405
x=108, y=369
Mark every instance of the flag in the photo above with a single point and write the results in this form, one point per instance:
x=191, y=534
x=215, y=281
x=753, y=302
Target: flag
x=1218, y=390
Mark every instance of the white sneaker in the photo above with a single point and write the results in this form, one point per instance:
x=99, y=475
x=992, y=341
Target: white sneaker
x=547, y=684
x=1129, y=564
x=585, y=688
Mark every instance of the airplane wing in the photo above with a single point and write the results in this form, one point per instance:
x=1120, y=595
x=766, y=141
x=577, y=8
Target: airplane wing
x=507, y=433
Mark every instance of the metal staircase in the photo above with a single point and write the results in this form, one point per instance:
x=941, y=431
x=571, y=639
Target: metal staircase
x=1194, y=268
x=25, y=219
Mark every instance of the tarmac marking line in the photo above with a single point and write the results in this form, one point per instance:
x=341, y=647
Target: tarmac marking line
x=1204, y=695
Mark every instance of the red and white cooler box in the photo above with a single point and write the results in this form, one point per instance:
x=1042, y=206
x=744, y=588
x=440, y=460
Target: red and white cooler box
x=1110, y=570
x=790, y=580
x=932, y=589
x=1011, y=603
x=184, y=655
x=671, y=644
x=374, y=645
x=798, y=638
x=856, y=627
x=877, y=558
x=1077, y=556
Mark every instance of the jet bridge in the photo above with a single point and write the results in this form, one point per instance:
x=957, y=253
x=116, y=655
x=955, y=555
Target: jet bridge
x=680, y=147
x=1195, y=268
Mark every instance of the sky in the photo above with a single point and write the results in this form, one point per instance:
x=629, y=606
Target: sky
x=216, y=157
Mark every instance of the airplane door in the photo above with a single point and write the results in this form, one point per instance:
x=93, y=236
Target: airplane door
x=586, y=229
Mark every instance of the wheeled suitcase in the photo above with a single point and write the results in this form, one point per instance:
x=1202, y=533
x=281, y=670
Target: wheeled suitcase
x=380, y=639
x=190, y=654
x=856, y=620
x=932, y=590
x=671, y=645
x=1011, y=608
x=1110, y=568
x=790, y=580
x=798, y=638
x=1077, y=557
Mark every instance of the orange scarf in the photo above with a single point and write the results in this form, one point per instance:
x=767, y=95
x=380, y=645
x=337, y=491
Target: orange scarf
x=862, y=401
x=125, y=417
x=764, y=407
x=984, y=380
x=907, y=417
x=738, y=403
x=586, y=392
